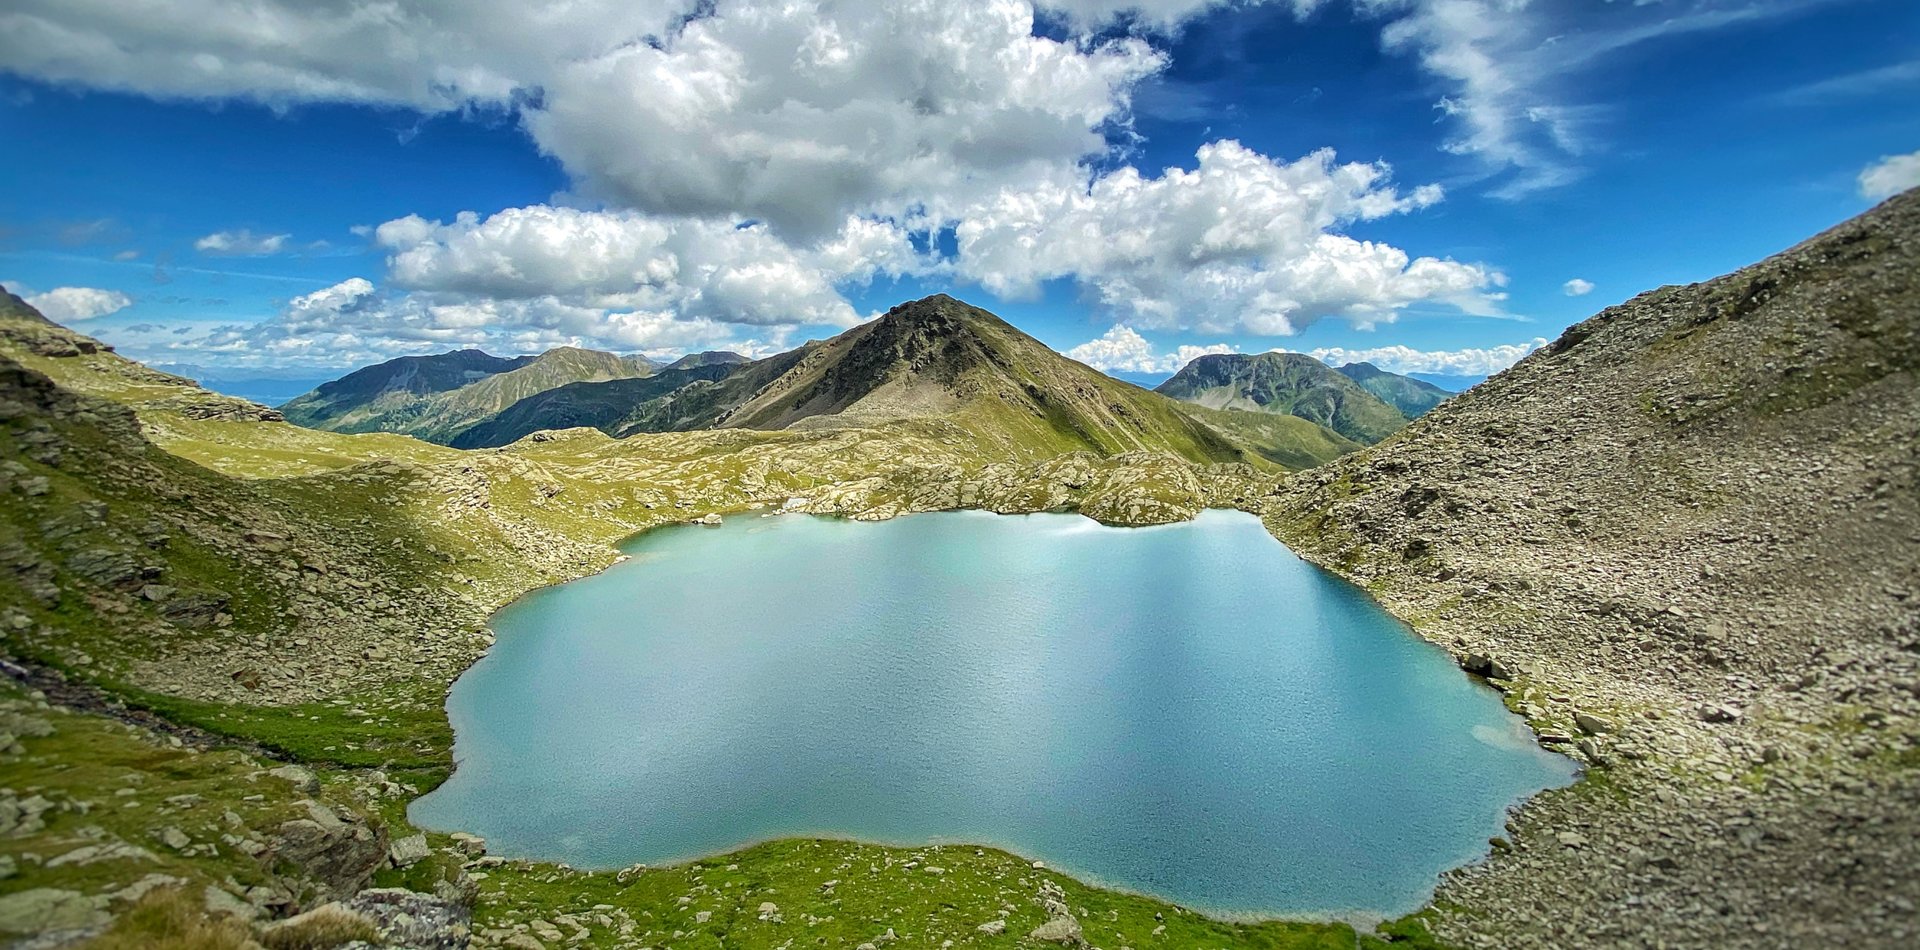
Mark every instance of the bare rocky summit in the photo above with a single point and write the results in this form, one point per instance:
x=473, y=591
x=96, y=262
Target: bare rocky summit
x=1685, y=540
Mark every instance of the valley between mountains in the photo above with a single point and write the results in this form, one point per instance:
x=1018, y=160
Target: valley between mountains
x=1683, y=541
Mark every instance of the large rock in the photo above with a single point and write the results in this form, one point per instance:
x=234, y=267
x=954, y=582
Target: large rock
x=338, y=854
x=413, y=920
x=43, y=910
x=1062, y=929
x=408, y=850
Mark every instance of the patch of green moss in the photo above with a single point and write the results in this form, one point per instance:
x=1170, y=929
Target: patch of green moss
x=840, y=894
x=400, y=735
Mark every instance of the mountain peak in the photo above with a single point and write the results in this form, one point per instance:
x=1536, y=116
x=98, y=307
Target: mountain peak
x=1287, y=383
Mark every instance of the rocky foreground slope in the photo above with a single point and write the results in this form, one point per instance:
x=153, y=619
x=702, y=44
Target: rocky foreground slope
x=1685, y=539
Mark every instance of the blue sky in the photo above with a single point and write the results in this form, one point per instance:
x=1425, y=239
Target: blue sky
x=286, y=205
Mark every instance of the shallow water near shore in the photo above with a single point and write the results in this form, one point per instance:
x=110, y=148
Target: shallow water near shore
x=1188, y=711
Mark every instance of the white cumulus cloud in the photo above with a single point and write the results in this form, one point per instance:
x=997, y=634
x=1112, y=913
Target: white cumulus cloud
x=1471, y=361
x=72, y=304
x=354, y=323
x=801, y=113
x=1123, y=349
x=1891, y=175
x=242, y=243
x=1577, y=287
x=1242, y=242
x=796, y=112
x=691, y=268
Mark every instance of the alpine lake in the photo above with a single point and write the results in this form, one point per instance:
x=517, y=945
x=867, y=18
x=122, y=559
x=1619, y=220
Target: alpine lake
x=1188, y=711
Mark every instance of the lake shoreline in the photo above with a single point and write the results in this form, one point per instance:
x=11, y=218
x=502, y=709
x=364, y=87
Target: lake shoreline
x=625, y=547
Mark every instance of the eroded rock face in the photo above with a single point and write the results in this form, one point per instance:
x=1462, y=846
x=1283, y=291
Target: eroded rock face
x=1688, y=532
x=338, y=854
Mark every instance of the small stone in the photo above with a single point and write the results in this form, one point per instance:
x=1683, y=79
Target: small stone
x=1573, y=839
x=993, y=927
x=1710, y=712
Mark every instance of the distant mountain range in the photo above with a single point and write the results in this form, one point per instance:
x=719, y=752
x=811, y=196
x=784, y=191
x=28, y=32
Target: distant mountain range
x=1296, y=384
x=436, y=397
x=1413, y=397
x=936, y=357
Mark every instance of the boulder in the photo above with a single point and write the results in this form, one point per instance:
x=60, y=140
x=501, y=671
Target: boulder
x=1592, y=725
x=220, y=903
x=1714, y=712
x=302, y=777
x=1063, y=929
x=43, y=910
x=1481, y=664
x=337, y=854
x=414, y=920
x=408, y=850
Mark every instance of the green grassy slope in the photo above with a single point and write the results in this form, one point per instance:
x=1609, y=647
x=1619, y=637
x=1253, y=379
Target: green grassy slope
x=1290, y=442
x=1413, y=397
x=436, y=397
x=941, y=357
x=691, y=394
x=1288, y=383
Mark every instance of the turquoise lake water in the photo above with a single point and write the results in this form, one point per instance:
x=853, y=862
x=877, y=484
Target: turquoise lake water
x=1190, y=711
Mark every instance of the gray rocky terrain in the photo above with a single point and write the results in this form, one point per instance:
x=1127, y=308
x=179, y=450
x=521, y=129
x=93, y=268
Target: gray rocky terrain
x=1685, y=540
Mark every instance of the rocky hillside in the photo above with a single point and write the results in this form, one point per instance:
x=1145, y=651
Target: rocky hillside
x=932, y=358
x=436, y=397
x=941, y=357
x=708, y=358
x=1413, y=397
x=1685, y=540
x=691, y=393
x=1292, y=384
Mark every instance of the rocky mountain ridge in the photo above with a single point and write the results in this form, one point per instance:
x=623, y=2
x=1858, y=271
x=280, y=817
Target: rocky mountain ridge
x=1285, y=383
x=437, y=397
x=930, y=358
x=1685, y=540
x=1413, y=397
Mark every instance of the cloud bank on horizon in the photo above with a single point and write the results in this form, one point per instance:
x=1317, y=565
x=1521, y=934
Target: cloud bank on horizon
x=737, y=167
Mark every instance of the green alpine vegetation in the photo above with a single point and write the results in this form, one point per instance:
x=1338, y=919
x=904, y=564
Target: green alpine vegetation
x=1293, y=384
x=1413, y=397
x=936, y=358
x=436, y=397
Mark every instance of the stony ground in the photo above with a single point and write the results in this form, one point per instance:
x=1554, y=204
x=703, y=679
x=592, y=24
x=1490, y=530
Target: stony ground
x=1686, y=540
